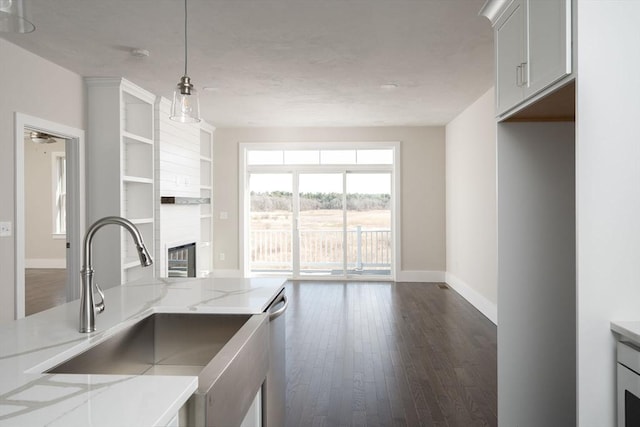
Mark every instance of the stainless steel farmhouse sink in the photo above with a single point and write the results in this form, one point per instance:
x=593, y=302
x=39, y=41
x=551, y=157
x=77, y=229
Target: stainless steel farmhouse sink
x=228, y=353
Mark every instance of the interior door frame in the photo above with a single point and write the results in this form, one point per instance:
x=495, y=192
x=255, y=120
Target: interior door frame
x=76, y=202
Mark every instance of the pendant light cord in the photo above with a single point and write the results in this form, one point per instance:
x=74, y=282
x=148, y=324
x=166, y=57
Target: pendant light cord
x=185, y=37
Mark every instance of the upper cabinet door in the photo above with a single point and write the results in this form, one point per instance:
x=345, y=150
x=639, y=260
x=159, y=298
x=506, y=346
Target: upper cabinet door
x=510, y=45
x=533, y=49
x=549, y=43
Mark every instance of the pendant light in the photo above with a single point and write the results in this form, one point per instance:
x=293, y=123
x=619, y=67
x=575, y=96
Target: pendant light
x=13, y=17
x=185, y=107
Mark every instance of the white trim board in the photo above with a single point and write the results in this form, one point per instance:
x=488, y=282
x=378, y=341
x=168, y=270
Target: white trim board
x=45, y=263
x=486, y=307
x=420, y=276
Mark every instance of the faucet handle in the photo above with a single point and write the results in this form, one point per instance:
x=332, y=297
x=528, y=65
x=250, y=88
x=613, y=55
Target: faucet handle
x=99, y=306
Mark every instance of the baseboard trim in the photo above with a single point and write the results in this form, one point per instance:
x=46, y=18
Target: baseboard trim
x=486, y=307
x=226, y=273
x=420, y=276
x=45, y=263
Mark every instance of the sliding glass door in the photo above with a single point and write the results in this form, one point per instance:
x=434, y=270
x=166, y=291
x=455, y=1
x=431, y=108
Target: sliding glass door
x=368, y=223
x=334, y=224
x=271, y=222
x=319, y=213
x=321, y=223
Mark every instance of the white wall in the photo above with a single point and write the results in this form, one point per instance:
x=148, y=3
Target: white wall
x=33, y=86
x=42, y=249
x=536, y=274
x=471, y=205
x=177, y=174
x=608, y=195
x=423, y=189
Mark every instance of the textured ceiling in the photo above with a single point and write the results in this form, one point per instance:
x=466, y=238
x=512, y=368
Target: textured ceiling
x=282, y=62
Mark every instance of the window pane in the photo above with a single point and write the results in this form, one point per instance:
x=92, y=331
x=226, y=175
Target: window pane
x=264, y=157
x=320, y=227
x=271, y=240
x=369, y=239
x=301, y=157
x=338, y=157
x=375, y=157
x=60, y=196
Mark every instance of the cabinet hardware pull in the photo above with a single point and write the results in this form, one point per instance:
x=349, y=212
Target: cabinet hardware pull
x=519, y=75
x=275, y=314
x=524, y=68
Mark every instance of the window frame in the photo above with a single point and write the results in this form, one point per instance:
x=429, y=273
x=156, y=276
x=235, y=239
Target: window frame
x=394, y=167
x=56, y=232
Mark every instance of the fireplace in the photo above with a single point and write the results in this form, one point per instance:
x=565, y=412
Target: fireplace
x=181, y=261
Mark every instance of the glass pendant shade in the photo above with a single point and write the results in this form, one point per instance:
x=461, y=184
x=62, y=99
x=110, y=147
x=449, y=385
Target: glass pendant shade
x=185, y=107
x=13, y=17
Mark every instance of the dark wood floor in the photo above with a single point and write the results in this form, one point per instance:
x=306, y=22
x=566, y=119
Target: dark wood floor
x=388, y=354
x=44, y=288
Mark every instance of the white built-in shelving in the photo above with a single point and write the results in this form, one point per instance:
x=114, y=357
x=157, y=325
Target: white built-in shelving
x=205, y=253
x=120, y=153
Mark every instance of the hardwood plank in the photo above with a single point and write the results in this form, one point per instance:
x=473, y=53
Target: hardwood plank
x=44, y=289
x=388, y=354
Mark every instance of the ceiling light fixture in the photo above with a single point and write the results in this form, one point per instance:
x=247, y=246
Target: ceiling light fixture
x=139, y=52
x=13, y=17
x=41, y=138
x=389, y=86
x=185, y=107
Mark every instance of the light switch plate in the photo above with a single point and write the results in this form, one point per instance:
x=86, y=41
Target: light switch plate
x=5, y=229
x=224, y=215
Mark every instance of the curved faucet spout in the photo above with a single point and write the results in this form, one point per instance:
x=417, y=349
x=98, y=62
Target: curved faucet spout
x=88, y=308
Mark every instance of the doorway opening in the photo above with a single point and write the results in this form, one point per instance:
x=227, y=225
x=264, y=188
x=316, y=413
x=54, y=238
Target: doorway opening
x=50, y=215
x=320, y=212
x=45, y=221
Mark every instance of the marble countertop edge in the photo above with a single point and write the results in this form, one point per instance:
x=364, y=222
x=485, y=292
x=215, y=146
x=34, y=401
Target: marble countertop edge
x=627, y=329
x=30, y=346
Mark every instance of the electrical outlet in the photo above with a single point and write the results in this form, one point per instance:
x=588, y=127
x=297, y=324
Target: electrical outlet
x=222, y=256
x=5, y=229
x=224, y=215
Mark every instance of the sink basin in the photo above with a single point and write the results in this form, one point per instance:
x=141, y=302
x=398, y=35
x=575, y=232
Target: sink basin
x=161, y=344
x=228, y=353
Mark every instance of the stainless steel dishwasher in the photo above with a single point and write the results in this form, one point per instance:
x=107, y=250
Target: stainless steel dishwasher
x=274, y=387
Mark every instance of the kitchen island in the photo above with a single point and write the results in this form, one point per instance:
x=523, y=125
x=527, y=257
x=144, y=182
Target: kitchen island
x=37, y=343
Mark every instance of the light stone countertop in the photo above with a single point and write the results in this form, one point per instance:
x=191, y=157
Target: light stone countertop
x=627, y=330
x=36, y=343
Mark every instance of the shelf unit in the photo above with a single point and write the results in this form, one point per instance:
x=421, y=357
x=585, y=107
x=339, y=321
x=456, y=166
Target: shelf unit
x=205, y=252
x=120, y=172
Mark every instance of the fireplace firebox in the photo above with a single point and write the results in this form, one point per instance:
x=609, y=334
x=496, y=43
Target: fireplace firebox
x=181, y=261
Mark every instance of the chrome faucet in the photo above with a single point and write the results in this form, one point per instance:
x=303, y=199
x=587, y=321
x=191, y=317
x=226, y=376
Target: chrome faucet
x=88, y=308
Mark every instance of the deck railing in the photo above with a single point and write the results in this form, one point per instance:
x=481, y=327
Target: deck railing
x=321, y=249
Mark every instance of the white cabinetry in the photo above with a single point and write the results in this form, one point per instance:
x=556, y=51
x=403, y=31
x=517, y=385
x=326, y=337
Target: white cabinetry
x=205, y=253
x=120, y=174
x=509, y=41
x=549, y=43
x=533, y=47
